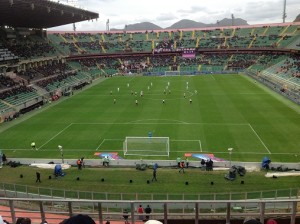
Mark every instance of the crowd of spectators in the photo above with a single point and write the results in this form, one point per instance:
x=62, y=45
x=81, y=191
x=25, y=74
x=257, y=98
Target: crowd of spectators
x=291, y=66
x=47, y=74
x=30, y=50
x=242, y=61
x=6, y=82
x=85, y=43
x=78, y=36
x=266, y=60
x=43, y=71
x=166, y=44
x=71, y=46
x=16, y=91
x=81, y=43
x=103, y=63
x=133, y=64
x=58, y=80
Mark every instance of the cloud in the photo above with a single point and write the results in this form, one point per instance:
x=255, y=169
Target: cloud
x=261, y=11
x=164, y=13
x=166, y=17
x=193, y=9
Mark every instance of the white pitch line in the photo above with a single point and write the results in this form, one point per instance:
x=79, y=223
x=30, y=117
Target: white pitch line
x=183, y=140
x=174, y=151
x=100, y=145
x=136, y=121
x=254, y=153
x=114, y=139
x=166, y=123
x=200, y=145
x=259, y=138
x=55, y=135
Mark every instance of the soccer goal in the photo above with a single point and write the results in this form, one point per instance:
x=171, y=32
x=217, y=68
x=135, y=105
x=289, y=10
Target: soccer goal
x=146, y=146
x=172, y=73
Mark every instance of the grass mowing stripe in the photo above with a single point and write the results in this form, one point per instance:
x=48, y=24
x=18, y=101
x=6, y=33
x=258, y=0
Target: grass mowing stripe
x=219, y=115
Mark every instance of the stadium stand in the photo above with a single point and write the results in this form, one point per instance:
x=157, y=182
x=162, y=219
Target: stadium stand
x=37, y=67
x=65, y=60
x=6, y=55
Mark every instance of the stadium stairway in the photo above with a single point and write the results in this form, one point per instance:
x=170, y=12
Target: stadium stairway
x=281, y=77
x=5, y=105
x=40, y=91
x=295, y=44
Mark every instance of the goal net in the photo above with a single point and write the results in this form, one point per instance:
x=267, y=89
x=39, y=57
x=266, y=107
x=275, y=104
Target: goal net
x=146, y=146
x=172, y=73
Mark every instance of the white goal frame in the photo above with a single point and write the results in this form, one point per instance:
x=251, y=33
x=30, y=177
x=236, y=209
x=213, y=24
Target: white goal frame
x=146, y=146
x=172, y=73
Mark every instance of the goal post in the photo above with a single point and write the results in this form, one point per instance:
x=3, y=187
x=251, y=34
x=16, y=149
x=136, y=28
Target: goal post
x=146, y=146
x=172, y=73
x=181, y=73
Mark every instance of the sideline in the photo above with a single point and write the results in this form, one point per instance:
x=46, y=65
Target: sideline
x=295, y=107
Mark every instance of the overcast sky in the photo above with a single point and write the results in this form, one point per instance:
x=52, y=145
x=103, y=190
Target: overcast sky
x=164, y=13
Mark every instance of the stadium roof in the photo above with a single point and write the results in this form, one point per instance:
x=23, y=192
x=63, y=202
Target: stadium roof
x=40, y=14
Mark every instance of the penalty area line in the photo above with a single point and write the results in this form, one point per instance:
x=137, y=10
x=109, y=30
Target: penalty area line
x=108, y=139
x=259, y=138
x=212, y=77
x=100, y=145
x=55, y=136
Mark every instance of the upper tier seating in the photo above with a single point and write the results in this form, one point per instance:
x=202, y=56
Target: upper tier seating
x=251, y=37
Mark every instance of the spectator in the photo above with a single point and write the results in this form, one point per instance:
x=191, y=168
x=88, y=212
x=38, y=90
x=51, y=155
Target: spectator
x=209, y=165
x=79, y=219
x=154, y=175
x=79, y=165
x=126, y=216
x=202, y=164
x=148, y=211
x=4, y=159
x=106, y=161
x=182, y=165
x=82, y=163
x=271, y=221
x=140, y=211
x=251, y=221
x=38, y=177
x=23, y=221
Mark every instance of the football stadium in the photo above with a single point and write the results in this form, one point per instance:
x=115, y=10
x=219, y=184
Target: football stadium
x=179, y=126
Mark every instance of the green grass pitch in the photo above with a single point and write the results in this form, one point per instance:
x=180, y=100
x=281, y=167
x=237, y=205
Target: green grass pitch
x=227, y=111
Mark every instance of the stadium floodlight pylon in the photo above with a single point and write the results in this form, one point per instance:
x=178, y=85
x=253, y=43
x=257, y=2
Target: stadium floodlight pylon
x=146, y=146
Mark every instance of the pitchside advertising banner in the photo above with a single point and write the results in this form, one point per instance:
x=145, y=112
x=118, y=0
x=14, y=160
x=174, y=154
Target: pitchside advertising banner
x=189, y=53
x=186, y=52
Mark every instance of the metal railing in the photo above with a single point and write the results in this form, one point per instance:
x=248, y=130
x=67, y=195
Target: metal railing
x=163, y=210
x=24, y=191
